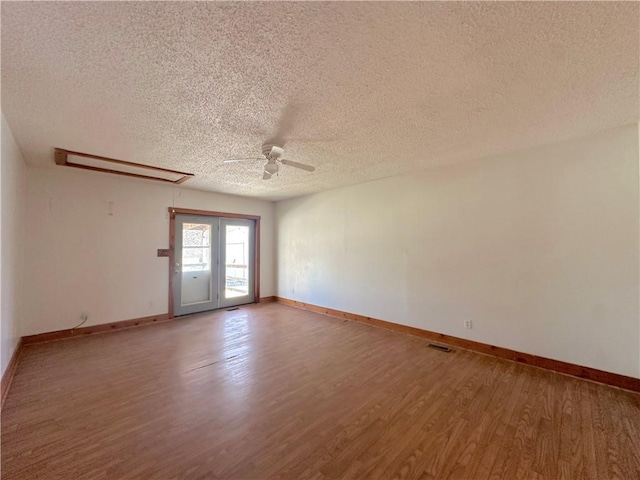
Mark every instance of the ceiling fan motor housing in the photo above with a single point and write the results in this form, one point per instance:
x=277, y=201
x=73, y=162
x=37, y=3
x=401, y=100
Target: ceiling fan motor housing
x=272, y=151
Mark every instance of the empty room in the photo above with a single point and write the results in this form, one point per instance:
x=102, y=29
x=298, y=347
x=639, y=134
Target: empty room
x=320, y=240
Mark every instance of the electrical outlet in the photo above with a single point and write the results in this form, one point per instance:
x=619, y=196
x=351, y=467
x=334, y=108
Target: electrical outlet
x=467, y=324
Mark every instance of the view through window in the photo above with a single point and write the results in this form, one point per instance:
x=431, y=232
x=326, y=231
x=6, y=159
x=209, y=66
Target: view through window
x=196, y=247
x=237, y=261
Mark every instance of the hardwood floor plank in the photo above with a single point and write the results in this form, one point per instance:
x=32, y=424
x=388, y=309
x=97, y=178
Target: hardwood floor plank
x=507, y=457
x=416, y=456
x=270, y=391
x=501, y=413
x=629, y=406
x=521, y=446
x=616, y=458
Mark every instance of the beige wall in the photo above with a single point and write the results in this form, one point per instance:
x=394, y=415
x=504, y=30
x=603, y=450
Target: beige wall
x=538, y=248
x=13, y=186
x=80, y=259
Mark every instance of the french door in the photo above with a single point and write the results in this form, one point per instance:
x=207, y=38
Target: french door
x=213, y=263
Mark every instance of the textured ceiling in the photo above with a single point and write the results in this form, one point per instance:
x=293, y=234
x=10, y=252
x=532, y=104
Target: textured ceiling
x=360, y=90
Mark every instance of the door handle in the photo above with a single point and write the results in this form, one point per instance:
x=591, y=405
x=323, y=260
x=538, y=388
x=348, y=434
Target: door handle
x=177, y=270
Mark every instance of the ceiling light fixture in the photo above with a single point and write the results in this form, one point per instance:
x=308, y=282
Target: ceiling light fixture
x=271, y=167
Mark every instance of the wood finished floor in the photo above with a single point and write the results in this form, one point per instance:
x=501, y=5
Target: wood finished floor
x=270, y=391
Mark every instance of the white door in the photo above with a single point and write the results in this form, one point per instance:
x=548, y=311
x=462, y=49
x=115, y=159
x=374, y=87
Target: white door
x=195, y=271
x=236, y=261
x=214, y=263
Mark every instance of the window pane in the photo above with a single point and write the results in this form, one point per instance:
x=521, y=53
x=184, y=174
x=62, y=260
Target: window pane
x=196, y=259
x=196, y=250
x=237, y=261
x=196, y=235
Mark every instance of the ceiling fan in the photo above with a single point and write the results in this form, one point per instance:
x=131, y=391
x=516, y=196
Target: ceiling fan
x=273, y=154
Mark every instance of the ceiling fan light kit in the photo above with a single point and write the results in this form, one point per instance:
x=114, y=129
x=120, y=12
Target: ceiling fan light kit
x=273, y=153
x=271, y=167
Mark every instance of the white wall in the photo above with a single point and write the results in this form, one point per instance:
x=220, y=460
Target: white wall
x=80, y=259
x=13, y=186
x=539, y=248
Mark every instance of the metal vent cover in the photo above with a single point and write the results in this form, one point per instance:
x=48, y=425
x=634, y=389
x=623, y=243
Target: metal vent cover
x=442, y=348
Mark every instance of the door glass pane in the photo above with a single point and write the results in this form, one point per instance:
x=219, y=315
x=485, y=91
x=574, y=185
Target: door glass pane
x=196, y=247
x=237, y=261
x=196, y=263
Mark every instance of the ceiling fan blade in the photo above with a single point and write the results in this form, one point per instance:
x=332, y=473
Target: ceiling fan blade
x=234, y=160
x=266, y=175
x=285, y=124
x=291, y=163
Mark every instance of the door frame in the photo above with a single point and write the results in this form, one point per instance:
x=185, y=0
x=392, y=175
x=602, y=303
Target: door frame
x=172, y=245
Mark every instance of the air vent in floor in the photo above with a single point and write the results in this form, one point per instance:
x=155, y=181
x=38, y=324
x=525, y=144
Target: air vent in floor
x=442, y=348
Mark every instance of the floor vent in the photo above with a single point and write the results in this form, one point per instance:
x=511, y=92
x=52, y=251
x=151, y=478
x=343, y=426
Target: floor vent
x=232, y=309
x=442, y=348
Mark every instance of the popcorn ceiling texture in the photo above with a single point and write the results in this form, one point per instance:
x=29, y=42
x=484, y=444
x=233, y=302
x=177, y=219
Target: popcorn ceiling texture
x=366, y=90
